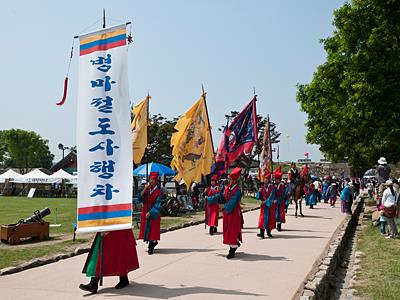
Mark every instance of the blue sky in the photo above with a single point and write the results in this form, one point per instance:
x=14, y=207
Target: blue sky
x=229, y=46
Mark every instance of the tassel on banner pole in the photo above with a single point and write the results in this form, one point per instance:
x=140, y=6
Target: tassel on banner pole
x=64, y=97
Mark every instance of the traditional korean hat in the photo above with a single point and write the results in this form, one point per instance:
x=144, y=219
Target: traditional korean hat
x=267, y=175
x=304, y=170
x=154, y=175
x=215, y=177
x=235, y=173
x=278, y=173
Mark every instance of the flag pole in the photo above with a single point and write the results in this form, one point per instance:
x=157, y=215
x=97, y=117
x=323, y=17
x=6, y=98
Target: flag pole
x=104, y=18
x=270, y=147
x=147, y=135
x=208, y=118
x=212, y=144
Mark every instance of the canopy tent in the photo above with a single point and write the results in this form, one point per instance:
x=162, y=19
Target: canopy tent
x=154, y=167
x=36, y=176
x=61, y=174
x=9, y=175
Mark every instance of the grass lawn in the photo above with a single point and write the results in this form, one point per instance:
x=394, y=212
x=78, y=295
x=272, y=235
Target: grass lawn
x=12, y=257
x=379, y=277
x=13, y=209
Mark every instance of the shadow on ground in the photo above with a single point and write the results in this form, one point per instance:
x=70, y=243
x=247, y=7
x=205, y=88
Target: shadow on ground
x=254, y=257
x=162, y=292
x=180, y=250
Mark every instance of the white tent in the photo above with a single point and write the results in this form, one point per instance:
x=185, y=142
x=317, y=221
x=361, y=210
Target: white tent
x=10, y=175
x=61, y=174
x=35, y=176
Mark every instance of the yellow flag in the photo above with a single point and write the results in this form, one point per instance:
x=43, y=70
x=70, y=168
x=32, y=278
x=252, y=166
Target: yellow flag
x=192, y=146
x=139, y=130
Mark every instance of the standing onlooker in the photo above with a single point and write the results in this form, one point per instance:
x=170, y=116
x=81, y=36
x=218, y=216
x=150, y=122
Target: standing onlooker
x=370, y=188
x=195, y=195
x=317, y=186
x=383, y=171
x=389, y=208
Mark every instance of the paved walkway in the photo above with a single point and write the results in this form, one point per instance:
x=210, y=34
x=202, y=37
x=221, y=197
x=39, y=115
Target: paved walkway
x=190, y=264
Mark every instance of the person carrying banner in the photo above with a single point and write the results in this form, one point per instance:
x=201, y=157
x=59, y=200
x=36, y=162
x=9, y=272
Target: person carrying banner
x=150, y=218
x=112, y=253
x=212, y=206
x=280, y=196
x=267, y=218
x=232, y=223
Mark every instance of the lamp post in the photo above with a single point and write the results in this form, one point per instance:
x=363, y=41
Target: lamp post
x=63, y=148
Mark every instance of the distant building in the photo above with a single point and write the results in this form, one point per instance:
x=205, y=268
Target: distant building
x=68, y=163
x=304, y=160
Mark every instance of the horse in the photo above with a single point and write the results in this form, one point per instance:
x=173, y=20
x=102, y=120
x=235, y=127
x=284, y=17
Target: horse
x=299, y=192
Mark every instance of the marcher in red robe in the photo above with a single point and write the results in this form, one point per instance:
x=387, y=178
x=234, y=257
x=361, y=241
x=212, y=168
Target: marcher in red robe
x=267, y=218
x=150, y=197
x=212, y=205
x=232, y=221
x=280, y=196
x=112, y=253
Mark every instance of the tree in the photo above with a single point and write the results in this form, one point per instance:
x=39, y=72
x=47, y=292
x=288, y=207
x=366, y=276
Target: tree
x=24, y=150
x=353, y=100
x=160, y=132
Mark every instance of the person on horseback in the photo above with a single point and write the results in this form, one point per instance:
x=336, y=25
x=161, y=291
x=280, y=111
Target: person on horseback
x=293, y=176
x=280, y=196
x=267, y=218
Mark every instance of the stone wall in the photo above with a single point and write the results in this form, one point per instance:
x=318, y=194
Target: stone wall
x=321, y=280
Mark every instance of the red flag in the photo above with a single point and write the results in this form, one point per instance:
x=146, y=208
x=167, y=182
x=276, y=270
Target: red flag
x=239, y=137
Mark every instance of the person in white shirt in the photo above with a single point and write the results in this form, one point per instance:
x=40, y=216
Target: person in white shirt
x=389, y=203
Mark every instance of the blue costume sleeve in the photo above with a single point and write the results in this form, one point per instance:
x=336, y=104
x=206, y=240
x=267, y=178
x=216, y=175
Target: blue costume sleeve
x=345, y=194
x=270, y=199
x=233, y=202
x=213, y=199
x=155, y=211
x=259, y=196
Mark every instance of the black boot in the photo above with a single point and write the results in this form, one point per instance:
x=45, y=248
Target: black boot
x=279, y=227
x=215, y=229
x=152, y=245
x=123, y=282
x=269, y=233
x=261, y=234
x=211, y=230
x=231, y=253
x=92, y=286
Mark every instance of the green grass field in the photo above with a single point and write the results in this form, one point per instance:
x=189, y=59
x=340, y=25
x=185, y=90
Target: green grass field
x=13, y=209
x=379, y=277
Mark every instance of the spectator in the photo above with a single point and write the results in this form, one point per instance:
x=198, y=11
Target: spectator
x=389, y=208
x=370, y=188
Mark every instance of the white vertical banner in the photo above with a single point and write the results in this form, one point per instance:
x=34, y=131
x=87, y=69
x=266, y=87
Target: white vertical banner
x=104, y=145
